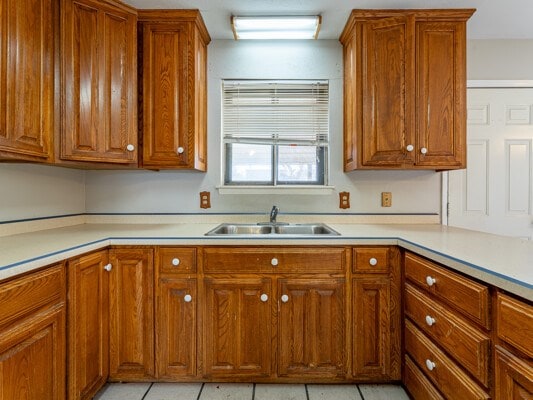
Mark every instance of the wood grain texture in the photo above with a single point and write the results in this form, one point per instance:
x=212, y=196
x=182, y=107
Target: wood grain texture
x=311, y=330
x=33, y=343
x=98, y=82
x=88, y=330
x=416, y=383
x=363, y=255
x=174, y=100
x=463, y=342
x=513, y=377
x=371, y=327
x=287, y=259
x=441, y=94
x=131, y=328
x=514, y=323
x=175, y=328
x=23, y=296
x=185, y=258
x=405, y=85
x=446, y=376
x=27, y=46
x=238, y=327
x=470, y=298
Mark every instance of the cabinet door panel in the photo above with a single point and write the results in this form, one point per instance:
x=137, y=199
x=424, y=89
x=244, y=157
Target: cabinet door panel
x=176, y=328
x=237, y=327
x=311, y=327
x=166, y=93
x=131, y=330
x=88, y=314
x=27, y=77
x=32, y=357
x=99, y=75
x=387, y=81
x=514, y=377
x=371, y=340
x=441, y=94
x=119, y=86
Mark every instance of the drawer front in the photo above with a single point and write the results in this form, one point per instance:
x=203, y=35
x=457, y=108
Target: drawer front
x=21, y=296
x=371, y=259
x=468, y=346
x=452, y=382
x=417, y=384
x=274, y=260
x=176, y=260
x=469, y=297
x=515, y=323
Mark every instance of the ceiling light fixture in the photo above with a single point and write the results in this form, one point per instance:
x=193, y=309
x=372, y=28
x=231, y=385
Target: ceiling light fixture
x=272, y=27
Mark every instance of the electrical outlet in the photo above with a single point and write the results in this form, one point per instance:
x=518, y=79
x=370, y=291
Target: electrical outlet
x=344, y=200
x=205, y=199
x=386, y=199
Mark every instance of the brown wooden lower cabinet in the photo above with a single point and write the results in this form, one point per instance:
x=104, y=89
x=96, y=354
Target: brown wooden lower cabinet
x=32, y=336
x=312, y=335
x=237, y=336
x=514, y=376
x=88, y=321
x=131, y=315
x=175, y=328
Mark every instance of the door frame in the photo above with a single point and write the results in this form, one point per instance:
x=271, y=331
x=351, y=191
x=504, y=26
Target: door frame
x=479, y=84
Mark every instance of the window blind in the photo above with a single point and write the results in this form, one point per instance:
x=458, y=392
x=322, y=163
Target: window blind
x=276, y=112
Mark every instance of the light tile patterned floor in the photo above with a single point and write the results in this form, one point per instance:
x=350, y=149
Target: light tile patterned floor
x=248, y=391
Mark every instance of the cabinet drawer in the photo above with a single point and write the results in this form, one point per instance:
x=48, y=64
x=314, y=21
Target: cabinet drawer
x=468, y=346
x=515, y=323
x=469, y=297
x=417, y=384
x=176, y=260
x=371, y=259
x=21, y=296
x=274, y=260
x=445, y=374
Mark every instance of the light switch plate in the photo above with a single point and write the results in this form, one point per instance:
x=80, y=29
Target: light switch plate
x=386, y=199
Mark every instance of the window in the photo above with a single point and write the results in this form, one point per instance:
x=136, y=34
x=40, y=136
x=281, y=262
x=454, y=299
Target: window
x=275, y=132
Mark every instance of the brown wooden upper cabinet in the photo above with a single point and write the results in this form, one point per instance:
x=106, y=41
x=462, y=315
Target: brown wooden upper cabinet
x=98, y=82
x=405, y=89
x=27, y=79
x=174, y=89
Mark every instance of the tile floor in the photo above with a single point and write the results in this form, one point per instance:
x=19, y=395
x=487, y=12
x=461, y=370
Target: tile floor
x=248, y=391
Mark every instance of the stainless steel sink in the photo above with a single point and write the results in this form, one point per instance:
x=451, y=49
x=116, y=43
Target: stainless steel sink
x=272, y=229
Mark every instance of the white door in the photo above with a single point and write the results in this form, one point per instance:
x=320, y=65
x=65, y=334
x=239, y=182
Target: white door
x=494, y=193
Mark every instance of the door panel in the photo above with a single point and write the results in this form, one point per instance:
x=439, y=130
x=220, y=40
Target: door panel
x=494, y=194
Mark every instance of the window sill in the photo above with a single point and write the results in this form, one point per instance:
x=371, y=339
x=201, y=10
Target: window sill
x=296, y=189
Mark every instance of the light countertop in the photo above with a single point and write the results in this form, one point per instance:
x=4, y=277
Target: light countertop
x=501, y=261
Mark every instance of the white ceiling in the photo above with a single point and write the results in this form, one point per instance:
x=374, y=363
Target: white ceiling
x=494, y=19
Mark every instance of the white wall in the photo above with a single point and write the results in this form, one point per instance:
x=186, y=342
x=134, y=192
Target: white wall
x=500, y=59
x=175, y=191
x=30, y=191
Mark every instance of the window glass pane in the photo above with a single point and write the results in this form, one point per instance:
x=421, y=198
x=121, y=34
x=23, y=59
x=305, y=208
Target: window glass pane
x=298, y=164
x=250, y=162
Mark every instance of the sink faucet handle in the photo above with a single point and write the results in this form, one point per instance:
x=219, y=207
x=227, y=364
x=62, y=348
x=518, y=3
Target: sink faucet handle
x=273, y=214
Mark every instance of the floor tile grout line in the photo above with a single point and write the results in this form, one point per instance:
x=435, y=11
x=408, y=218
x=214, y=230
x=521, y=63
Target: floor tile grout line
x=148, y=390
x=361, y=393
x=306, y=392
x=200, y=392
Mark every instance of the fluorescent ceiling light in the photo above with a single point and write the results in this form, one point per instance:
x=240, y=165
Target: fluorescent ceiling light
x=284, y=27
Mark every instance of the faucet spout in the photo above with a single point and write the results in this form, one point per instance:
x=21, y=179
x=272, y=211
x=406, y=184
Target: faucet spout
x=274, y=214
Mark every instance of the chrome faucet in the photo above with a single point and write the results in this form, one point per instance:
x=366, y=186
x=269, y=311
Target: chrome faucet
x=273, y=214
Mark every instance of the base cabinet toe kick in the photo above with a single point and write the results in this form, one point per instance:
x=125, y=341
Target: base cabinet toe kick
x=320, y=314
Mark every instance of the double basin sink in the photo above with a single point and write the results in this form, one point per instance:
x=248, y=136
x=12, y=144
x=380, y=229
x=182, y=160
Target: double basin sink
x=272, y=229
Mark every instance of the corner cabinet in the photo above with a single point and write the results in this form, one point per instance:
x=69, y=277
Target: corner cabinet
x=27, y=79
x=173, y=105
x=405, y=89
x=98, y=82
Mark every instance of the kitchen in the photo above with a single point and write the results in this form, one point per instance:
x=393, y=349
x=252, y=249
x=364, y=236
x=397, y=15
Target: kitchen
x=40, y=197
